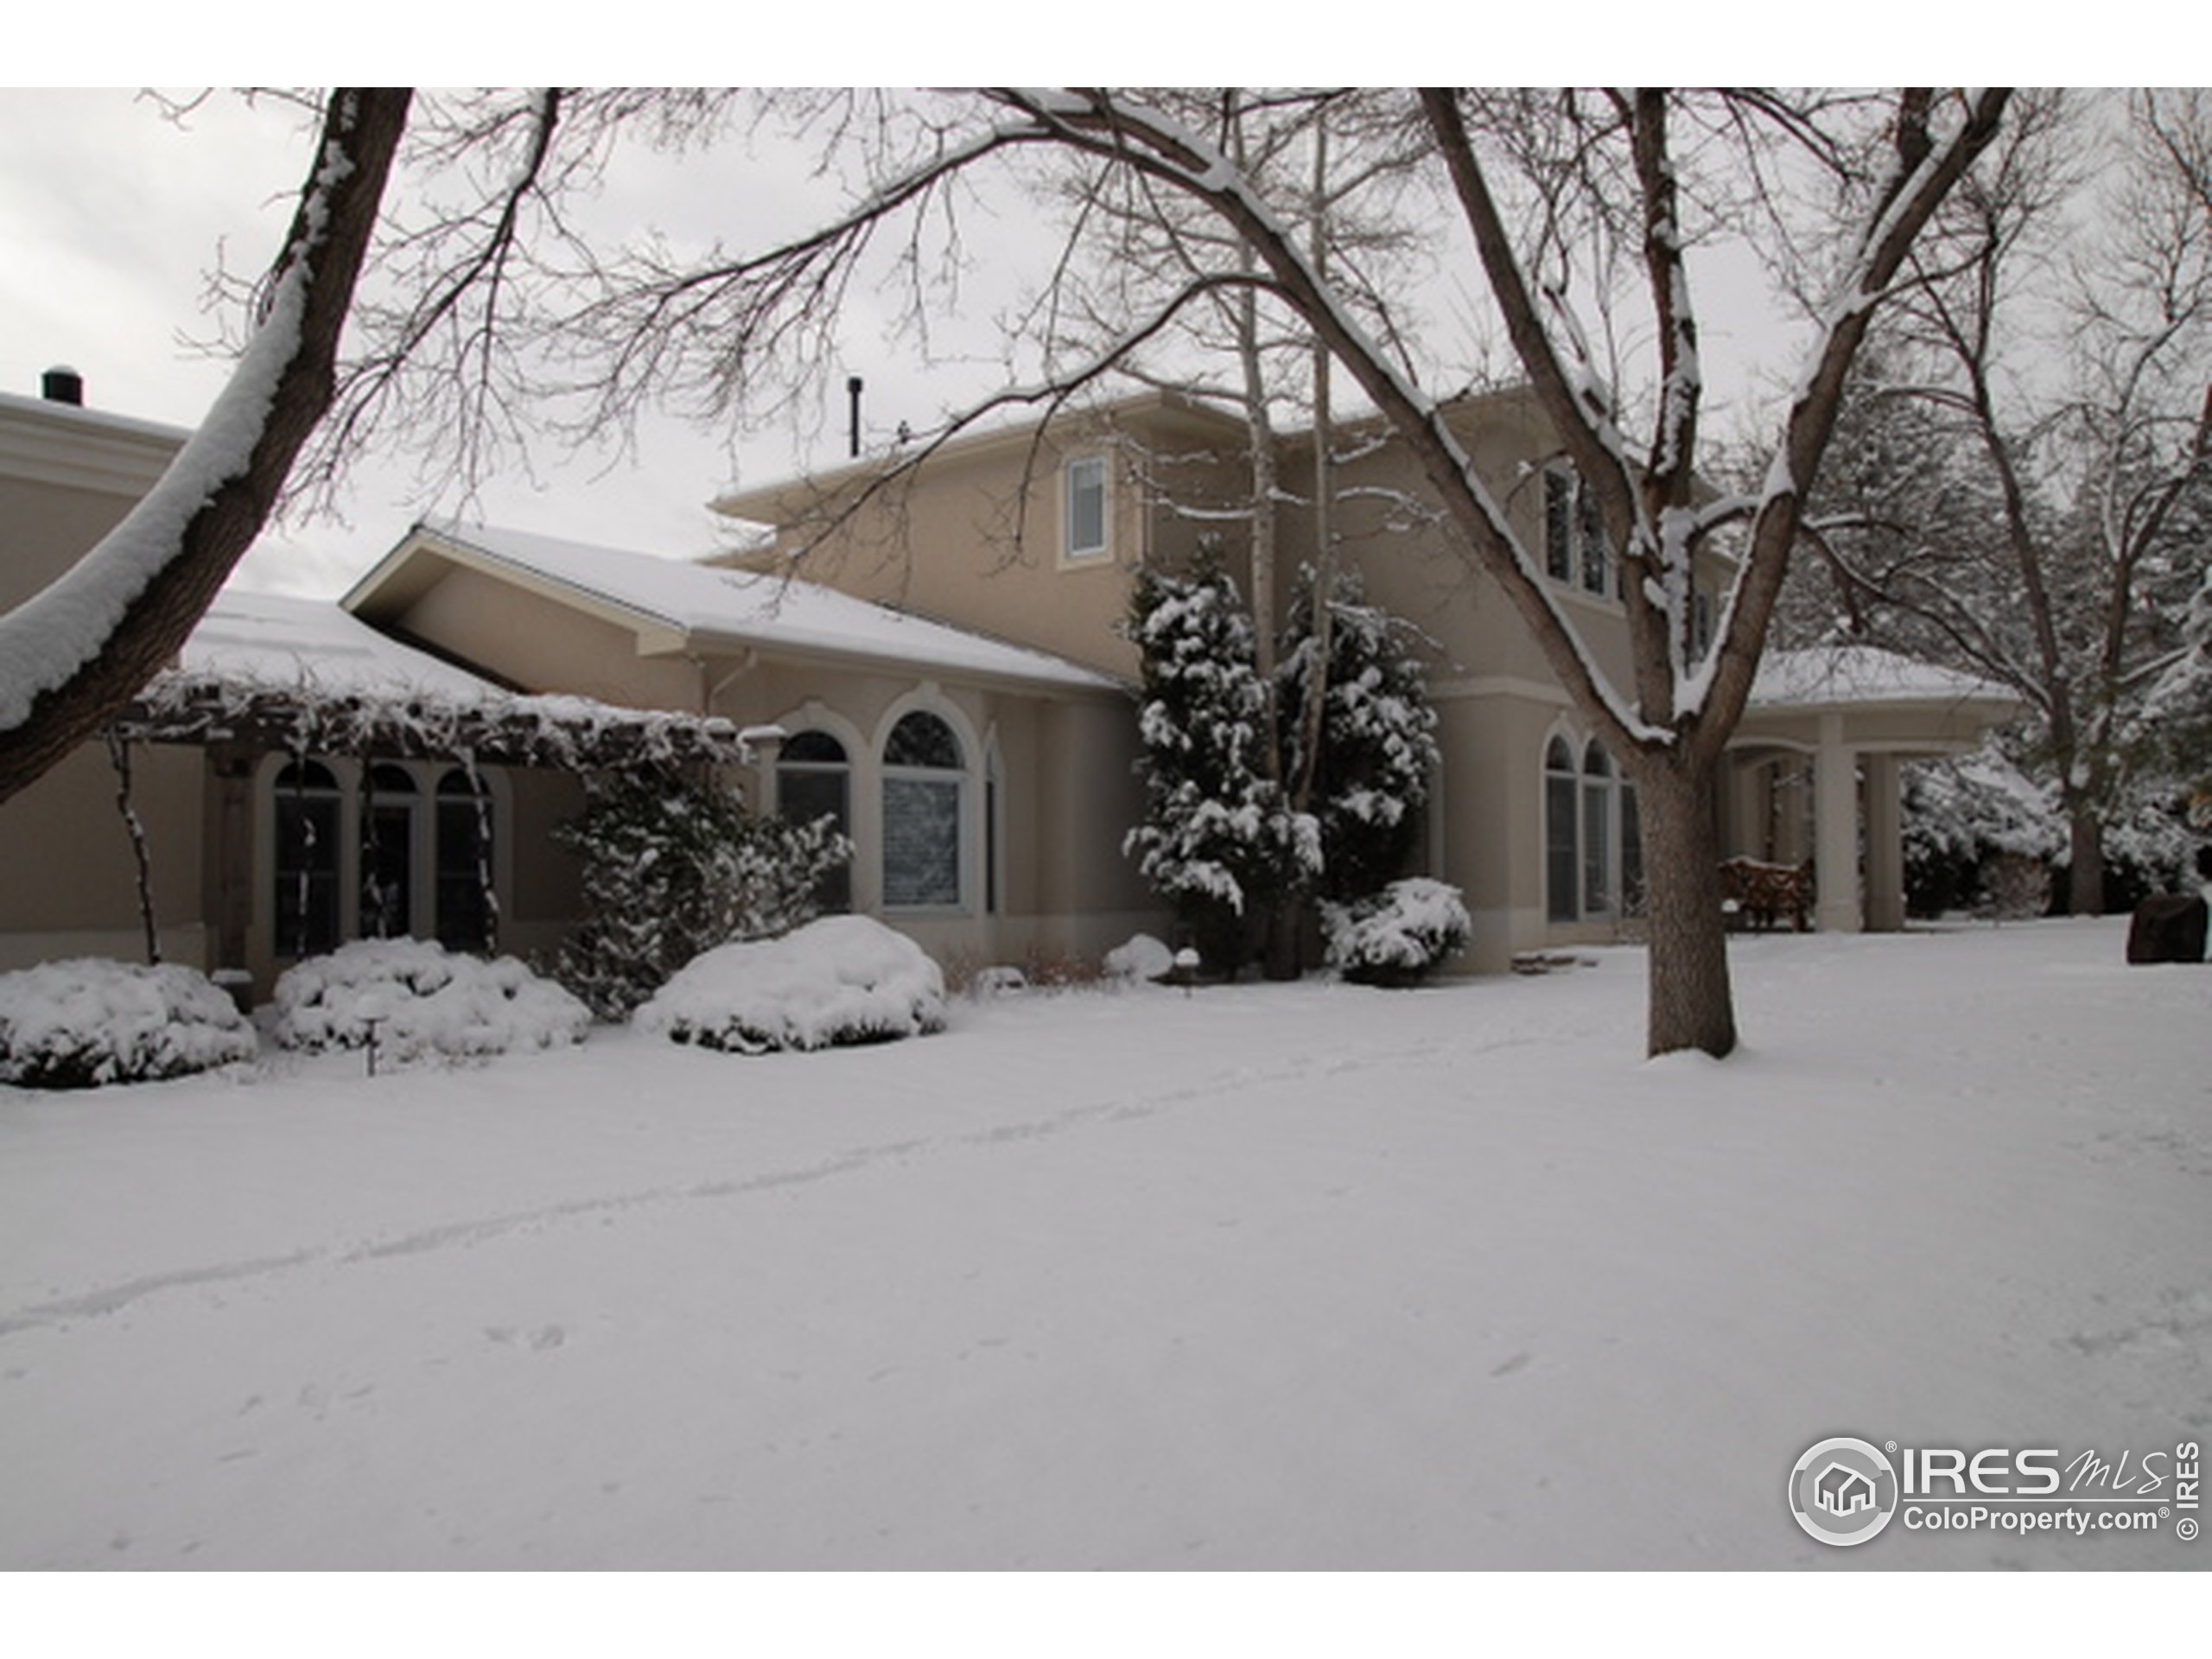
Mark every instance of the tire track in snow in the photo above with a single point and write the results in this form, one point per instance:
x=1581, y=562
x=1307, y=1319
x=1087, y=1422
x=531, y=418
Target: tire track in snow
x=1127, y=1107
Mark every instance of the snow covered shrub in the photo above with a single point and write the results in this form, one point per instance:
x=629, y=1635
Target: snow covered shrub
x=841, y=980
x=673, y=867
x=1378, y=745
x=423, y=1000
x=82, y=1023
x=1216, y=841
x=1398, y=936
x=1141, y=957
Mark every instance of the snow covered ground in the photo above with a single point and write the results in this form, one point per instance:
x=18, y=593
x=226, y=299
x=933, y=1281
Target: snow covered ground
x=1305, y=1277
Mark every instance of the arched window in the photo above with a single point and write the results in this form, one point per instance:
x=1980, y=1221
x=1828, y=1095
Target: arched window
x=389, y=799
x=467, y=915
x=1593, y=839
x=924, y=779
x=307, y=801
x=1562, y=857
x=814, y=779
x=1597, y=829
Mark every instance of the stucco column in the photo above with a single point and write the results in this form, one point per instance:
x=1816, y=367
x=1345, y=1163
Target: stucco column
x=1835, y=831
x=1884, y=846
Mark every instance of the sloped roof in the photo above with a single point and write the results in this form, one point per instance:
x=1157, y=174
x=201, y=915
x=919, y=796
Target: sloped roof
x=287, y=672
x=274, y=640
x=1841, y=675
x=711, y=607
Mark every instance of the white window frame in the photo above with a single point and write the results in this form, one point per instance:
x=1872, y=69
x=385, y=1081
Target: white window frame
x=963, y=784
x=1083, y=467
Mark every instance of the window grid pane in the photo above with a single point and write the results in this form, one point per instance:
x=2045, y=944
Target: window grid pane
x=921, y=842
x=1086, y=506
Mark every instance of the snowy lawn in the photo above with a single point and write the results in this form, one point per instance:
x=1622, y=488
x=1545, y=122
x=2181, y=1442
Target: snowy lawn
x=1302, y=1277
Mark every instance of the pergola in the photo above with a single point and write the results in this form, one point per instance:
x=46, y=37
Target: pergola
x=1855, y=713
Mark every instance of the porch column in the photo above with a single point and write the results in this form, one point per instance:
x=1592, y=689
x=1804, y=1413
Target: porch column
x=1884, y=846
x=1835, y=831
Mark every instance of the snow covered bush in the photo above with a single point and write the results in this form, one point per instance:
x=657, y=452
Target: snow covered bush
x=1141, y=957
x=424, y=1000
x=841, y=980
x=1396, y=937
x=673, y=867
x=1216, y=841
x=85, y=1022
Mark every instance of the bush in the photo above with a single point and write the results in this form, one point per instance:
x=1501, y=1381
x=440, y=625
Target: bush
x=424, y=1001
x=672, y=868
x=842, y=980
x=83, y=1023
x=1397, y=936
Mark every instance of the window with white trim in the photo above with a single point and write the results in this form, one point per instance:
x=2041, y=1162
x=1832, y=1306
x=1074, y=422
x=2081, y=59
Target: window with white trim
x=814, y=779
x=924, y=781
x=1083, y=508
x=1576, y=551
x=1593, y=836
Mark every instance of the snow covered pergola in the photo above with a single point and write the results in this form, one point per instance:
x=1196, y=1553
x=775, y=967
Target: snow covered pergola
x=1856, y=712
x=264, y=673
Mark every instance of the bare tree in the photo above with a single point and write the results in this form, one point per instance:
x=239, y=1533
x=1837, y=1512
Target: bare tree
x=72, y=656
x=1671, y=724
x=2031, y=477
x=469, y=347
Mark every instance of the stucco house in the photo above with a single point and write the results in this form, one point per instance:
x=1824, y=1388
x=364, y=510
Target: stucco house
x=1034, y=534
x=934, y=659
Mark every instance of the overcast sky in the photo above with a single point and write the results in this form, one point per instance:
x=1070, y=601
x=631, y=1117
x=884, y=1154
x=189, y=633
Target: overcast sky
x=114, y=215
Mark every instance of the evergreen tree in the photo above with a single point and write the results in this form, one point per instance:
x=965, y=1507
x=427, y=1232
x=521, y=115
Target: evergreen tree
x=673, y=866
x=1378, y=745
x=1216, y=841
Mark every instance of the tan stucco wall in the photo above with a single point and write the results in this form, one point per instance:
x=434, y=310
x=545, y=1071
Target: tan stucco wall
x=543, y=644
x=68, y=882
x=974, y=535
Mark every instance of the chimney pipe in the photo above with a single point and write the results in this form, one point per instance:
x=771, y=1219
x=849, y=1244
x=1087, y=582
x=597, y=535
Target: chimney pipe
x=62, y=385
x=853, y=391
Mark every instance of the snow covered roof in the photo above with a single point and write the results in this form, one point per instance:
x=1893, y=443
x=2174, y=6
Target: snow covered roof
x=289, y=672
x=1835, y=675
x=275, y=641
x=697, y=606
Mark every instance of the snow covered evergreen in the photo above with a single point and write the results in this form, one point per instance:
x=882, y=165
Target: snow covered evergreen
x=673, y=867
x=1378, y=739
x=1216, y=841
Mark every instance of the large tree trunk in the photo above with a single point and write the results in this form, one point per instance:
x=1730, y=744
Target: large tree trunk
x=1690, y=1003
x=2085, y=876
x=175, y=549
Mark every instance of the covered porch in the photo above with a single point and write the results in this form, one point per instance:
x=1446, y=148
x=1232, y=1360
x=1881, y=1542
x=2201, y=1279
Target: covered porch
x=1814, y=772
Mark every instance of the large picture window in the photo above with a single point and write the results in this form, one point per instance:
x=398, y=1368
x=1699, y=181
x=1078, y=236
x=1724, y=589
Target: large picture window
x=923, y=781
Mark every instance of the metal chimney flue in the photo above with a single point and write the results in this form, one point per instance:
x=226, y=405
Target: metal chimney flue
x=853, y=391
x=62, y=385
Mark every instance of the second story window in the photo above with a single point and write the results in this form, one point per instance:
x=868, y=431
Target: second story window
x=1575, y=549
x=1084, y=511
